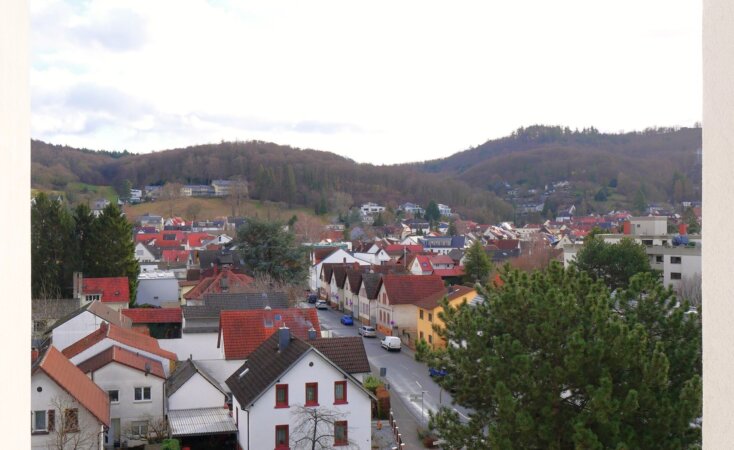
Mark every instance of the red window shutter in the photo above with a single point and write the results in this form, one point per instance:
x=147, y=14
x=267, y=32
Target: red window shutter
x=51, y=420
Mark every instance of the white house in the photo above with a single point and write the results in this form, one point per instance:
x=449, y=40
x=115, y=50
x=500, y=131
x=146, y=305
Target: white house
x=190, y=386
x=444, y=210
x=370, y=208
x=338, y=256
x=134, y=384
x=65, y=404
x=158, y=288
x=109, y=335
x=83, y=322
x=285, y=375
x=146, y=253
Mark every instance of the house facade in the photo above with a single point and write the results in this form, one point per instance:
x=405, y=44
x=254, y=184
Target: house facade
x=428, y=314
x=282, y=380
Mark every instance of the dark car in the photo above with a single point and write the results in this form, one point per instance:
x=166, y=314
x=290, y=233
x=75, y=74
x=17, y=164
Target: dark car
x=347, y=320
x=312, y=298
x=437, y=372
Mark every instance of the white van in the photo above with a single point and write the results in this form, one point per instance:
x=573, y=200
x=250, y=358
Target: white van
x=391, y=343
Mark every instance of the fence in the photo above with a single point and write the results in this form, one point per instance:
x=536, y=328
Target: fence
x=396, y=432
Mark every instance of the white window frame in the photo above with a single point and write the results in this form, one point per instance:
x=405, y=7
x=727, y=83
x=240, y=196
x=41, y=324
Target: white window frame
x=33, y=421
x=139, y=428
x=142, y=398
x=92, y=297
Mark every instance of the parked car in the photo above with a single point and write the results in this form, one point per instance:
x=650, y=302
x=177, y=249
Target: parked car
x=390, y=343
x=366, y=331
x=312, y=298
x=347, y=320
x=322, y=305
x=437, y=372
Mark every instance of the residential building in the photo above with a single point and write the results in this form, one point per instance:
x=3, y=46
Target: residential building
x=134, y=384
x=64, y=400
x=428, y=313
x=371, y=208
x=397, y=299
x=443, y=244
x=223, y=281
x=369, y=288
x=157, y=288
x=444, y=210
x=412, y=208
x=160, y=323
x=329, y=255
x=84, y=321
x=197, y=190
x=111, y=291
x=282, y=376
x=108, y=335
x=147, y=253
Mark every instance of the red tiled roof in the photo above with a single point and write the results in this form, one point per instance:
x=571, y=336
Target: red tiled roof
x=175, y=255
x=112, y=289
x=121, y=335
x=153, y=315
x=124, y=357
x=211, y=285
x=174, y=245
x=432, y=302
x=196, y=239
x=243, y=331
x=184, y=283
x=407, y=289
x=320, y=254
x=78, y=385
x=398, y=248
x=425, y=262
x=146, y=237
x=453, y=272
x=441, y=259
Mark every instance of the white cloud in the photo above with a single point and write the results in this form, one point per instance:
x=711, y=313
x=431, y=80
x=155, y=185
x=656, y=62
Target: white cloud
x=377, y=82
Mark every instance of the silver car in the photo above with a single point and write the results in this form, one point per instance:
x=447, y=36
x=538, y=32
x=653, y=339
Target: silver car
x=366, y=331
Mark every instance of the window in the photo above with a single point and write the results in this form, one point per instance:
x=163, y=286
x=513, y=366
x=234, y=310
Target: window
x=281, y=437
x=675, y=260
x=384, y=297
x=659, y=258
x=420, y=335
x=71, y=420
x=430, y=317
x=142, y=394
x=139, y=428
x=420, y=314
x=139, y=252
x=281, y=395
x=340, y=433
x=39, y=326
x=92, y=297
x=312, y=394
x=340, y=392
x=38, y=422
x=430, y=339
x=647, y=242
x=675, y=275
x=114, y=396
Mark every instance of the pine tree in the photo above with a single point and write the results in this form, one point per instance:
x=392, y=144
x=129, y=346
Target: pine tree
x=552, y=360
x=113, y=253
x=432, y=214
x=83, y=237
x=478, y=265
x=613, y=264
x=51, y=253
x=268, y=249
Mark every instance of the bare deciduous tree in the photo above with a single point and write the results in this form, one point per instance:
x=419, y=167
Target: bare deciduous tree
x=315, y=429
x=65, y=431
x=689, y=289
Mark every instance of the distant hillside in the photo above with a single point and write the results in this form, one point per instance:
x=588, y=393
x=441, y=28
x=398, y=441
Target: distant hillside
x=662, y=162
x=538, y=155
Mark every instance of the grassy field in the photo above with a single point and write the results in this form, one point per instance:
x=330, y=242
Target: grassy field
x=208, y=208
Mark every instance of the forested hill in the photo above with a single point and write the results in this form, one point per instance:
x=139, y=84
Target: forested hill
x=535, y=156
x=531, y=157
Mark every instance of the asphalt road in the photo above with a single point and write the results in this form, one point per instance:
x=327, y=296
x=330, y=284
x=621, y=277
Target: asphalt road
x=406, y=377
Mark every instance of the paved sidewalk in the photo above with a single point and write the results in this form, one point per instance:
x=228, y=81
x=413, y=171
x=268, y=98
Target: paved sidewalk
x=407, y=423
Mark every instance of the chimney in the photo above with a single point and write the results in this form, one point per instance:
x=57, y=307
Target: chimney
x=627, y=227
x=682, y=229
x=78, y=287
x=311, y=334
x=284, y=338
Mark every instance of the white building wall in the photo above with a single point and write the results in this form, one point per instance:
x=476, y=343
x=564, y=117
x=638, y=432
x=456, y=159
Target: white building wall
x=689, y=266
x=264, y=416
x=74, y=329
x=157, y=291
x=44, y=400
x=124, y=379
x=197, y=392
x=339, y=256
x=405, y=316
x=221, y=369
x=194, y=345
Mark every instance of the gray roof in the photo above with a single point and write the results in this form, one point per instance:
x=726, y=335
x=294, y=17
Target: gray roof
x=210, y=258
x=346, y=352
x=184, y=372
x=200, y=421
x=155, y=251
x=201, y=329
x=267, y=364
x=234, y=301
x=53, y=309
x=264, y=366
x=371, y=283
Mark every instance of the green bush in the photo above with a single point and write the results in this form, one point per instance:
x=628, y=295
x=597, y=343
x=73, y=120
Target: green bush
x=171, y=444
x=371, y=383
x=421, y=350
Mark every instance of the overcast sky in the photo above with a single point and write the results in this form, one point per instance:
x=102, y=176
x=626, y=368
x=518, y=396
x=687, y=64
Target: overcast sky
x=379, y=82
